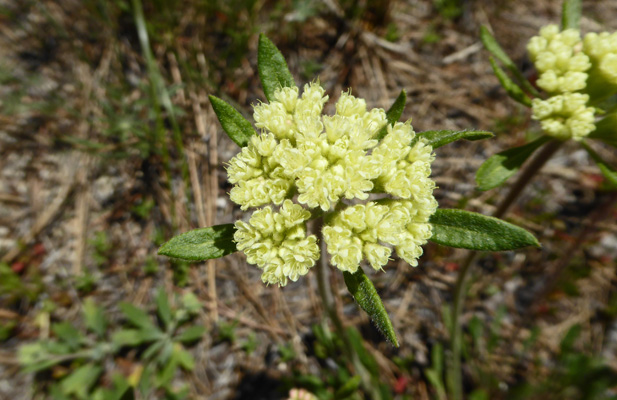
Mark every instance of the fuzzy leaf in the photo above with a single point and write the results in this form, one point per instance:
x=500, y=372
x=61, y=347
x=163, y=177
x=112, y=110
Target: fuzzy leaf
x=94, y=318
x=498, y=168
x=439, y=138
x=495, y=49
x=273, y=70
x=365, y=294
x=68, y=334
x=191, y=334
x=201, y=244
x=473, y=231
x=607, y=170
x=81, y=380
x=512, y=89
x=571, y=14
x=162, y=307
x=606, y=130
x=137, y=317
x=134, y=337
x=394, y=113
x=234, y=124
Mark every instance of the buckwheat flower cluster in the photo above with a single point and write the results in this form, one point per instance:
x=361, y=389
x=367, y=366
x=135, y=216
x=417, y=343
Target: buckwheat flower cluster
x=559, y=59
x=565, y=116
x=602, y=50
x=319, y=161
x=569, y=65
x=277, y=242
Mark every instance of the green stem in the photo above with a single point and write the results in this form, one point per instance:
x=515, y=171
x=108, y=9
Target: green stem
x=327, y=299
x=455, y=376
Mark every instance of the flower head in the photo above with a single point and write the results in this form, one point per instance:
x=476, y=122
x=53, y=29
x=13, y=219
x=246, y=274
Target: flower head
x=277, y=242
x=565, y=116
x=602, y=49
x=559, y=59
x=322, y=160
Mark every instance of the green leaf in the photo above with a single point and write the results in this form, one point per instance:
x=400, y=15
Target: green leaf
x=606, y=130
x=439, y=138
x=273, y=70
x=607, y=170
x=134, y=337
x=201, y=244
x=365, y=294
x=137, y=317
x=162, y=307
x=571, y=14
x=366, y=358
x=191, y=334
x=349, y=388
x=234, y=124
x=498, y=168
x=495, y=49
x=183, y=357
x=394, y=113
x=68, y=334
x=512, y=89
x=94, y=318
x=81, y=380
x=468, y=230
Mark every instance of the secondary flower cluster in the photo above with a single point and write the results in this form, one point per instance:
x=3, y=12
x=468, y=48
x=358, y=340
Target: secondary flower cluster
x=319, y=160
x=568, y=65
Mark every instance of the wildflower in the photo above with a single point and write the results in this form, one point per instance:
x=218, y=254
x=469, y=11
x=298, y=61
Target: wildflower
x=559, y=59
x=323, y=159
x=565, y=116
x=277, y=242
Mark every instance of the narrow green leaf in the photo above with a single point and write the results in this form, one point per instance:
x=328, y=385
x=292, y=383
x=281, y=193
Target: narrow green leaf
x=512, y=89
x=365, y=294
x=162, y=307
x=571, y=14
x=495, y=49
x=81, y=380
x=68, y=334
x=349, y=388
x=607, y=170
x=134, y=337
x=94, y=317
x=273, y=70
x=234, y=124
x=498, y=168
x=366, y=358
x=394, y=113
x=473, y=231
x=439, y=138
x=137, y=317
x=606, y=130
x=201, y=244
x=184, y=358
x=191, y=334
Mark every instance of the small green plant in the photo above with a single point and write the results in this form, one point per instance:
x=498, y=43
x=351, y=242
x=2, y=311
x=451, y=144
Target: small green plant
x=82, y=356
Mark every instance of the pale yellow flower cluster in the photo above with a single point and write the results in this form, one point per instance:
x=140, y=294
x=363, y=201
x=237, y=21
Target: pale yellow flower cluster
x=568, y=64
x=319, y=161
x=602, y=49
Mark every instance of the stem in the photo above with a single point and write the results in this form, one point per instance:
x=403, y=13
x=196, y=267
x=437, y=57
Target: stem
x=460, y=289
x=327, y=299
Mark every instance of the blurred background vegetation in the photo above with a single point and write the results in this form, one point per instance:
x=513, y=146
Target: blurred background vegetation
x=109, y=146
